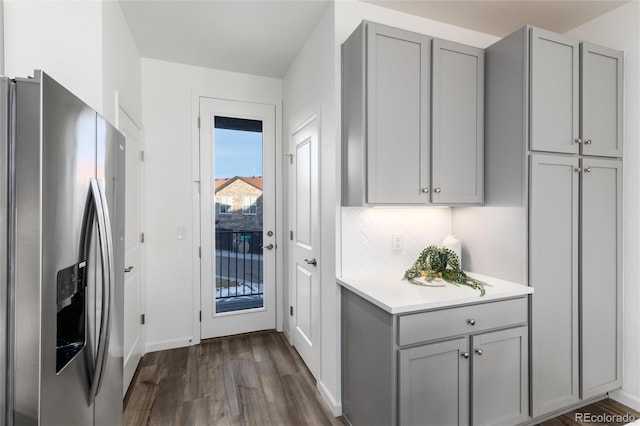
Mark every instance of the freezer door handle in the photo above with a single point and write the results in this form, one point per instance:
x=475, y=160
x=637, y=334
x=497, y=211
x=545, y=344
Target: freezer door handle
x=97, y=209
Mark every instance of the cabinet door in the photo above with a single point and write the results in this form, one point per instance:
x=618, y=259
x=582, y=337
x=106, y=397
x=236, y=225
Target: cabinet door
x=398, y=116
x=601, y=292
x=500, y=385
x=553, y=272
x=434, y=384
x=601, y=100
x=458, y=123
x=554, y=92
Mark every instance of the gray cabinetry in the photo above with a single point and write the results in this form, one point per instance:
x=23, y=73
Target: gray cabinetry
x=454, y=366
x=458, y=123
x=555, y=203
x=434, y=383
x=391, y=154
x=500, y=392
x=554, y=92
x=601, y=272
x=601, y=100
x=554, y=274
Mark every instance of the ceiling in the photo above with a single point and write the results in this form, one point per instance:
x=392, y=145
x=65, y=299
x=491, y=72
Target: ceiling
x=262, y=37
x=502, y=17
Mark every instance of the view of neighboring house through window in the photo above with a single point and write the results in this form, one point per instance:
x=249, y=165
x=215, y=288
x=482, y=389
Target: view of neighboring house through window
x=238, y=220
x=249, y=204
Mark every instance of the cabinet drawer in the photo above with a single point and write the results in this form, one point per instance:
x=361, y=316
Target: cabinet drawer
x=426, y=326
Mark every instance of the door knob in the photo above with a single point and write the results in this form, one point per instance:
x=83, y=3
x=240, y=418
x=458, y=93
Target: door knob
x=268, y=246
x=313, y=261
x=128, y=269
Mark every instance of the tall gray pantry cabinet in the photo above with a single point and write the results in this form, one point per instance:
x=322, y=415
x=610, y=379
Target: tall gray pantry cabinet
x=553, y=206
x=412, y=119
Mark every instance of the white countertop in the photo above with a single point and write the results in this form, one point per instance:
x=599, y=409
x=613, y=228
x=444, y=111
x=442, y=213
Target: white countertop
x=397, y=296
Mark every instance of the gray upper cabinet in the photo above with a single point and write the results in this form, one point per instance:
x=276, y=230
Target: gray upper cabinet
x=457, y=123
x=601, y=100
x=391, y=155
x=385, y=116
x=554, y=92
x=601, y=267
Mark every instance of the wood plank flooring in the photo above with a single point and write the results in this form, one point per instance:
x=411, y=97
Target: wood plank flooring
x=605, y=413
x=259, y=379
x=254, y=379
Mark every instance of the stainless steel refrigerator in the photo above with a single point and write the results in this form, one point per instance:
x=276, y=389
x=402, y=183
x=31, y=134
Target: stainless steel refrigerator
x=62, y=258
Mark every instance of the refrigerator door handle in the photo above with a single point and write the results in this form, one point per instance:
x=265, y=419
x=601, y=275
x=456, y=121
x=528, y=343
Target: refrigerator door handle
x=96, y=209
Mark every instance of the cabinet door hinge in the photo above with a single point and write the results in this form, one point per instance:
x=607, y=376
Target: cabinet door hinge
x=142, y=237
x=142, y=156
x=198, y=182
x=291, y=235
x=200, y=315
x=290, y=158
x=142, y=319
x=198, y=122
x=291, y=310
x=200, y=252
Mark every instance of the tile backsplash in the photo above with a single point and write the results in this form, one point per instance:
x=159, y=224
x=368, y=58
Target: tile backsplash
x=368, y=234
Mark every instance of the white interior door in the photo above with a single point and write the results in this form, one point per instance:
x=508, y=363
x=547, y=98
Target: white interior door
x=133, y=277
x=305, y=274
x=237, y=202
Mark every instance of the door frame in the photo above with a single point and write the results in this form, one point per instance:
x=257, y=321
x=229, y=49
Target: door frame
x=195, y=191
x=122, y=107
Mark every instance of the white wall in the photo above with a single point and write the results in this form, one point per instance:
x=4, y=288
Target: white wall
x=309, y=88
x=620, y=29
x=63, y=38
x=170, y=106
x=1, y=37
x=121, y=61
x=312, y=84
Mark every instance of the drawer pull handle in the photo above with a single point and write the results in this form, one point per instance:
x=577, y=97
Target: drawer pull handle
x=465, y=355
x=479, y=352
x=471, y=322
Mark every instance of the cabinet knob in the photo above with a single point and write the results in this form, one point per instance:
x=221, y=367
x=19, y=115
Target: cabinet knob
x=437, y=190
x=578, y=140
x=465, y=355
x=587, y=170
x=479, y=352
x=425, y=190
x=587, y=142
x=578, y=169
x=471, y=322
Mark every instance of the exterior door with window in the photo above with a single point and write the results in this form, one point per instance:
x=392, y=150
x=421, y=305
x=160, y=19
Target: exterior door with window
x=237, y=201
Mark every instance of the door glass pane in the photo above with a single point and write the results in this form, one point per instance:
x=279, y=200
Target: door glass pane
x=238, y=148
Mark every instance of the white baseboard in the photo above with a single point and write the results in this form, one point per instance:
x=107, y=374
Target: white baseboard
x=334, y=406
x=168, y=344
x=624, y=397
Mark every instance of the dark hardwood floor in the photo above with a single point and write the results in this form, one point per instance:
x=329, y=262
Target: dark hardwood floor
x=258, y=379
x=604, y=413
x=254, y=379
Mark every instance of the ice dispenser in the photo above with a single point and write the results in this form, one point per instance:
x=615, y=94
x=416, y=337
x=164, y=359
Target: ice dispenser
x=70, y=321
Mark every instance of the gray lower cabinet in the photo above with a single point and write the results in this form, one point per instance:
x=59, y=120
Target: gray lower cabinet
x=576, y=219
x=466, y=365
x=601, y=276
x=412, y=119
